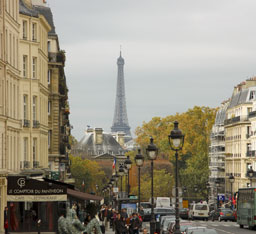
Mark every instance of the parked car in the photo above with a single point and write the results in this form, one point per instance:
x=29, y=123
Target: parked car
x=199, y=210
x=164, y=225
x=183, y=225
x=159, y=212
x=222, y=214
x=184, y=213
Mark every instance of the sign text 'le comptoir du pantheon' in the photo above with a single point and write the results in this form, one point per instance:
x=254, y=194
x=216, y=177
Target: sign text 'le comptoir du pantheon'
x=22, y=189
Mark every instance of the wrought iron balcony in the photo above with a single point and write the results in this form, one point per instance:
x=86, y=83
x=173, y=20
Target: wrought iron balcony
x=236, y=119
x=252, y=114
x=250, y=153
x=35, y=164
x=36, y=124
x=24, y=164
x=26, y=123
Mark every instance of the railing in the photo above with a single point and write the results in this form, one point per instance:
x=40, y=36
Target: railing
x=250, y=153
x=24, y=164
x=26, y=123
x=35, y=164
x=36, y=124
x=236, y=119
x=252, y=114
x=56, y=57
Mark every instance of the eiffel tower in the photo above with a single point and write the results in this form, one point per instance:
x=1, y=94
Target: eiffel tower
x=120, y=122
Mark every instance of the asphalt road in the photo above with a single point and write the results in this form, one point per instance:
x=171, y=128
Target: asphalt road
x=220, y=227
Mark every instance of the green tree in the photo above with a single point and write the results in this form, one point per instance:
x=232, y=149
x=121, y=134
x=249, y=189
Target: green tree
x=196, y=124
x=87, y=172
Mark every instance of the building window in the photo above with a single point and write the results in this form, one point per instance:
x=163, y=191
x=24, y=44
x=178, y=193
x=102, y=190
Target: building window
x=25, y=29
x=49, y=46
x=49, y=107
x=49, y=139
x=49, y=76
x=252, y=95
x=34, y=107
x=34, y=67
x=34, y=31
x=25, y=107
x=34, y=149
x=25, y=149
x=25, y=66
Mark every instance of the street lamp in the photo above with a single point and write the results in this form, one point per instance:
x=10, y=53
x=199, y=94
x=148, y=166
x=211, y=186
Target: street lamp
x=139, y=160
x=184, y=191
x=128, y=164
x=152, y=154
x=231, y=180
x=176, y=141
x=121, y=173
x=250, y=174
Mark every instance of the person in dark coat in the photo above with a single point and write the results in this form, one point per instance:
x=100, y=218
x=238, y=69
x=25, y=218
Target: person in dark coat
x=135, y=224
x=120, y=227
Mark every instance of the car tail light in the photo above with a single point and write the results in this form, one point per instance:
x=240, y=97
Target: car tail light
x=221, y=213
x=254, y=217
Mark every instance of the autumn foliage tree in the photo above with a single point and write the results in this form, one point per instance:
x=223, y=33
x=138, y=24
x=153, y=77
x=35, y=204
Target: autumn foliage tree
x=87, y=174
x=196, y=124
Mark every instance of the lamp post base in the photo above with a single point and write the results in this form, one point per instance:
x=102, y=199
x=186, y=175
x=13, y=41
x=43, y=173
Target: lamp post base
x=152, y=226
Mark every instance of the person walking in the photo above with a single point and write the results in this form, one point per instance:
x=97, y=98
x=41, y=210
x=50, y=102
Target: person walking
x=135, y=224
x=120, y=227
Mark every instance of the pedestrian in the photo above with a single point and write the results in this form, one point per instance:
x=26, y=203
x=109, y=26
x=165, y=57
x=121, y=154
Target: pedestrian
x=93, y=224
x=62, y=224
x=135, y=224
x=145, y=231
x=120, y=227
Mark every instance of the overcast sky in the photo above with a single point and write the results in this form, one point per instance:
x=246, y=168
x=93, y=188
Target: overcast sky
x=177, y=53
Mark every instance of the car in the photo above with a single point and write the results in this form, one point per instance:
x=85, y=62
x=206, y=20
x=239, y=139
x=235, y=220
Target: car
x=199, y=210
x=166, y=224
x=184, y=213
x=162, y=211
x=183, y=226
x=223, y=214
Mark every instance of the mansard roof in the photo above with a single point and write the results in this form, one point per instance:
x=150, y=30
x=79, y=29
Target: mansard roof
x=221, y=115
x=47, y=13
x=25, y=10
x=108, y=146
x=239, y=98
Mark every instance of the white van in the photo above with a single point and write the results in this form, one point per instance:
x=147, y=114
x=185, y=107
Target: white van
x=199, y=210
x=163, y=202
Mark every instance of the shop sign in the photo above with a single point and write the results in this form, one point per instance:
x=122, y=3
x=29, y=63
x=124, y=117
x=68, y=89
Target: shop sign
x=21, y=188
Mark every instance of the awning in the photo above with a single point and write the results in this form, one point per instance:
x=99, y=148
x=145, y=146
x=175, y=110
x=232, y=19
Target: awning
x=83, y=196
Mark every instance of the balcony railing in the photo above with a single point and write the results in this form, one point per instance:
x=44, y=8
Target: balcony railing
x=26, y=123
x=252, y=114
x=24, y=164
x=35, y=164
x=36, y=124
x=236, y=119
x=250, y=153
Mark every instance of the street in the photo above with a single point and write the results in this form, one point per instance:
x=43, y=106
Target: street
x=220, y=227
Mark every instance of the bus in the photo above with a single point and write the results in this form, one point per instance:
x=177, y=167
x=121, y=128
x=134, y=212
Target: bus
x=246, y=207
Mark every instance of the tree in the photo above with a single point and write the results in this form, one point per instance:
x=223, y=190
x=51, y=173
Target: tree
x=87, y=174
x=196, y=124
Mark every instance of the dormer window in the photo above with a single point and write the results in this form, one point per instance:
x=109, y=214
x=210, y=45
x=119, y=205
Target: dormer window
x=252, y=95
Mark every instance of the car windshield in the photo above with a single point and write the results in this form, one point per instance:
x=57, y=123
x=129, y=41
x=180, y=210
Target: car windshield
x=201, y=207
x=145, y=205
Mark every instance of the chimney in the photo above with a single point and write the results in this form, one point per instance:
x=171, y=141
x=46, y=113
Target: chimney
x=120, y=138
x=88, y=130
x=98, y=136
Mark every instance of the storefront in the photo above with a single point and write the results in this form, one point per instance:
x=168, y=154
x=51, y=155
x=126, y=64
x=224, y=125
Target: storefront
x=30, y=201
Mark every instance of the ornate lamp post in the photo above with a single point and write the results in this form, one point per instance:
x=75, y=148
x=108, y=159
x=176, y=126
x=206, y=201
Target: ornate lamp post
x=121, y=173
x=176, y=140
x=184, y=191
x=250, y=174
x=139, y=160
x=152, y=154
x=128, y=164
x=231, y=180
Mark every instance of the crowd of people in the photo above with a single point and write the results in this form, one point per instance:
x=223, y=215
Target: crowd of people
x=120, y=222
x=99, y=221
